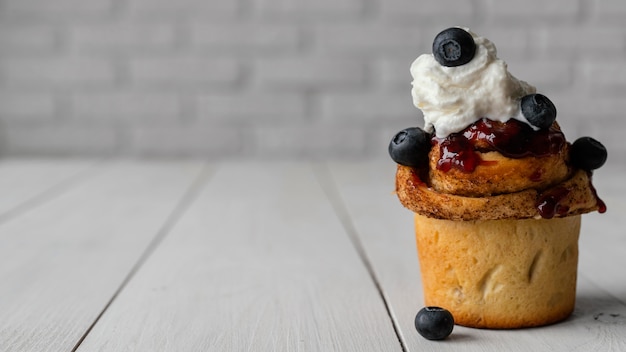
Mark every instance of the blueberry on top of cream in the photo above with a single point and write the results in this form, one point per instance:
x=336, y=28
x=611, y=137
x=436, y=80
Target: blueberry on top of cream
x=453, y=47
x=453, y=97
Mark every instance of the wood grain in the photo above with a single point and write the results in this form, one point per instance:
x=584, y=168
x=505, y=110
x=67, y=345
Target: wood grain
x=259, y=263
x=26, y=183
x=62, y=262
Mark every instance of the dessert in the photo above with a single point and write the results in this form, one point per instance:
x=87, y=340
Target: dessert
x=496, y=190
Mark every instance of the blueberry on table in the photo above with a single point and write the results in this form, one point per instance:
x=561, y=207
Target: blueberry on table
x=588, y=154
x=538, y=110
x=454, y=47
x=410, y=147
x=434, y=323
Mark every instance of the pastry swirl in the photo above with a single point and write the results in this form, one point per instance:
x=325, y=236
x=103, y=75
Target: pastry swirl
x=572, y=196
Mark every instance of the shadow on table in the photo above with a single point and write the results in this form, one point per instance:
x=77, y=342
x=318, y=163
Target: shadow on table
x=600, y=307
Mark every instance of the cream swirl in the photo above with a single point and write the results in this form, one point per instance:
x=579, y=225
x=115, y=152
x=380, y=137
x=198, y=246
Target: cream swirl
x=452, y=98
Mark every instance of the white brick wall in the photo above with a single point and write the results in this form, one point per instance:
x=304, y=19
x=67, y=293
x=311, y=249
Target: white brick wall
x=125, y=37
x=279, y=78
x=57, y=72
x=70, y=9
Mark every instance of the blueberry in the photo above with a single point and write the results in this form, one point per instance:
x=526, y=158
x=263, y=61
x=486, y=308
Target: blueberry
x=588, y=154
x=454, y=47
x=434, y=323
x=410, y=147
x=538, y=110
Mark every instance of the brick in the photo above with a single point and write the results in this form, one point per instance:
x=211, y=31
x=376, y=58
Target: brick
x=124, y=37
x=187, y=8
x=607, y=78
x=247, y=37
x=56, y=8
x=377, y=38
x=26, y=105
x=367, y=108
x=57, y=71
x=59, y=140
x=251, y=107
x=608, y=10
x=138, y=106
x=394, y=73
x=311, y=10
x=453, y=11
x=533, y=10
x=543, y=74
x=186, y=141
x=575, y=104
x=510, y=42
x=307, y=72
x=309, y=141
x=185, y=70
x=27, y=39
x=559, y=42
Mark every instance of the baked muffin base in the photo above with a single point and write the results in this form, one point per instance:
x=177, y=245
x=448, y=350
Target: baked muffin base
x=500, y=274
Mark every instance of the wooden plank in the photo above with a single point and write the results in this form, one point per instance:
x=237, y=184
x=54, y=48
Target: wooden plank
x=386, y=231
x=62, y=262
x=25, y=183
x=259, y=263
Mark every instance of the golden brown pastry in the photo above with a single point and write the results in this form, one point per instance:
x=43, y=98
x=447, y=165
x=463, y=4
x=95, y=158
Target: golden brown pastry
x=573, y=196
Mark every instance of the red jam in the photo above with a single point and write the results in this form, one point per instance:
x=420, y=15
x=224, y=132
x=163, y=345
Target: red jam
x=549, y=203
x=513, y=139
x=457, y=152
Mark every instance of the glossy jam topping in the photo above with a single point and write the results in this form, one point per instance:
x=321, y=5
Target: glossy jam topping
x=549, y=203
x=513, y=139
x=457, y=152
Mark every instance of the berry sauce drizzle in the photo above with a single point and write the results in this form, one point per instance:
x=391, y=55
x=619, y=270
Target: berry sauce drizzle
x=513, y=139
x=457, y=152
x=549, y=205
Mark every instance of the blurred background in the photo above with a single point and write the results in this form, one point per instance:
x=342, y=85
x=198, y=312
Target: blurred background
x=279, y=78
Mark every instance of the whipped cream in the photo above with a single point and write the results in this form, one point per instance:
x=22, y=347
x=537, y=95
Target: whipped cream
x=452, y=98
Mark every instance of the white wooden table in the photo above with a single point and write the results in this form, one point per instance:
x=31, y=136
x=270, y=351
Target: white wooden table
x=127, y=255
